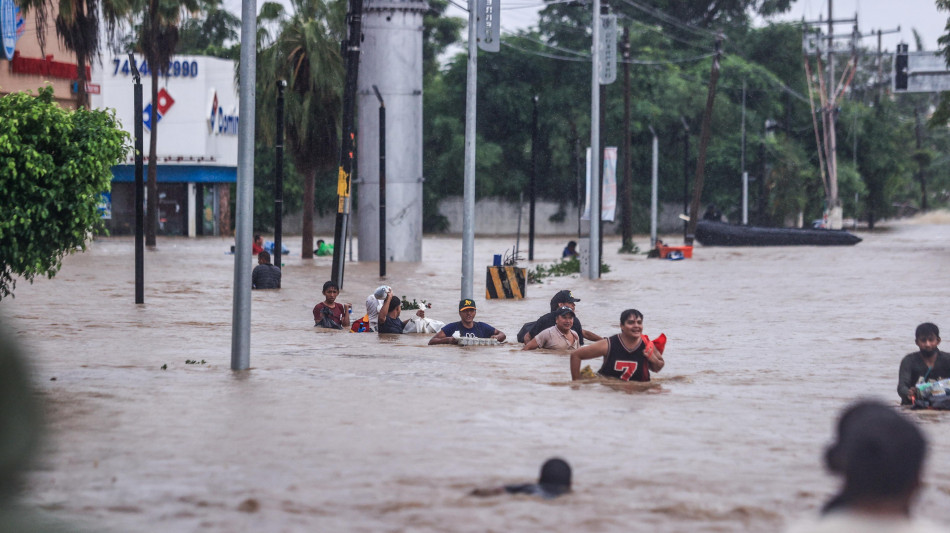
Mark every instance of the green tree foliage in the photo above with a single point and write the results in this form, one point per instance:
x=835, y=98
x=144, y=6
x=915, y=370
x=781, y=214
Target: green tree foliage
x=304, y=52
x=77, y=26
x=671, y=41
x=54, y=163
x=213, y=33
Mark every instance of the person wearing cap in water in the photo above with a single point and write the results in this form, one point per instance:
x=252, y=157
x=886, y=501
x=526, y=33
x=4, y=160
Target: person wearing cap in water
x=628, y=356
x=560, y=336
x=555, y=480
x=561, y=299
x=467, y=327
x=879, y=453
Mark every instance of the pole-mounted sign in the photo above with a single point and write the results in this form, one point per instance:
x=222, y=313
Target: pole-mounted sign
x=488, y=25
x=608, y=49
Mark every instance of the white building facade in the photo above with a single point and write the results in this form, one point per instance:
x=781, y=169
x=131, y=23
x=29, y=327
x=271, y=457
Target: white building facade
x=197, y=140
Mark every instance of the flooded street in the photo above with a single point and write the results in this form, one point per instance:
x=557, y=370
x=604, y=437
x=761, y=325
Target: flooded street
x=332, y=431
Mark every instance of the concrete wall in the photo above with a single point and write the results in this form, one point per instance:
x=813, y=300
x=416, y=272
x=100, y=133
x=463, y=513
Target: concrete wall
x=496, y=216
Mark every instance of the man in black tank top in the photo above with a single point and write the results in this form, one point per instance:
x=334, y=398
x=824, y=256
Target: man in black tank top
x=627, y=356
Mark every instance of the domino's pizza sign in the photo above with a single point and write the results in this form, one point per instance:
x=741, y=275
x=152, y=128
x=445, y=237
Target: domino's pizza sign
x=219, y=122
x=11, y=26
x=165, y=101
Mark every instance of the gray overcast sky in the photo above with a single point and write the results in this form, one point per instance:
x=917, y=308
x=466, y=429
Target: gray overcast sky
x=921, y=15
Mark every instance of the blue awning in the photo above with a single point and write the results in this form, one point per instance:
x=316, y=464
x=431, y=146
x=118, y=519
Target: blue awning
x=179, y=174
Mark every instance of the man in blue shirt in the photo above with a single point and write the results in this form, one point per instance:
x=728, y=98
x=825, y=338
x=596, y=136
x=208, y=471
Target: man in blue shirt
x=467, y=327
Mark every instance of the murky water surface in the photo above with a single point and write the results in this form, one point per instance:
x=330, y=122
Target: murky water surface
x=348, y=432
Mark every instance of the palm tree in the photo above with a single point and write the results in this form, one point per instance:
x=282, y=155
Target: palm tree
x=77, y=26
x=157, y=39
x=306, y=53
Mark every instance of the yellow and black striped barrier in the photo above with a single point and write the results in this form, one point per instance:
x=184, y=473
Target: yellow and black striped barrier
x=505, y=282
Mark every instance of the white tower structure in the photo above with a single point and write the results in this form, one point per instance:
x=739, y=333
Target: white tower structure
x=392, y=61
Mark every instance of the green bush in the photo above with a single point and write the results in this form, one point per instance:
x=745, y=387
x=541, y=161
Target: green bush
x=54, y=164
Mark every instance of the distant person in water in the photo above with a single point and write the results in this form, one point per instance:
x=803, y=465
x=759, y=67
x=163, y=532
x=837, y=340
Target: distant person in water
x=926, y=364
x=555, y=480
x=467, y=327
x=265, y=275
x=329, y=313
x=628, y=356
x=570, y=250
x=258, y=245
x=880, y=454
x=560, y=336
x=323, y=248
x=712, y=213
x=392, y=322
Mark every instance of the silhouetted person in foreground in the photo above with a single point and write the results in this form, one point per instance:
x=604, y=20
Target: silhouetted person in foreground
x=555, y=480
x=21, y=432
x=880, y=455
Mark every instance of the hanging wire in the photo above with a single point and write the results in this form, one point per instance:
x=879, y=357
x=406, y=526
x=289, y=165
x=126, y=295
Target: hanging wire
x=669, y=19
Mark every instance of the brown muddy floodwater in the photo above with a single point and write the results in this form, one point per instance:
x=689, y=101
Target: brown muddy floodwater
x=348, y=432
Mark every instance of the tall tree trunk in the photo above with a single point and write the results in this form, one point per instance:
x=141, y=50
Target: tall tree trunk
x=151, y=219
x=306, y=247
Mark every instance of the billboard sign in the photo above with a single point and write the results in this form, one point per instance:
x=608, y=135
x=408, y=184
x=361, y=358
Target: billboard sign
x=11, y=26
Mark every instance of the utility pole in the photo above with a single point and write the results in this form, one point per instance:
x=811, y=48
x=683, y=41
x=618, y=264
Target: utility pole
x=279, y=177
x=626, y=216
x=351, y=55
x=532, y=194
x=745, y=176
x=685, y=175
x=244, y=203
x=593, y=271
x=382, y=182
x=139, y=187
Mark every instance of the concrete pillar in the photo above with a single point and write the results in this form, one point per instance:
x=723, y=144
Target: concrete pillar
x=392, y=60
x=192, y=209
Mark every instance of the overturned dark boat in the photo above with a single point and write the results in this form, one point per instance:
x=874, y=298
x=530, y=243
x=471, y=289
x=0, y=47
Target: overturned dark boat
x=710, y=233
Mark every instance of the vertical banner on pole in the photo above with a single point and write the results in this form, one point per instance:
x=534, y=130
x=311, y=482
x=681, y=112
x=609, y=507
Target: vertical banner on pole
x=609, y=190
x=608, y=198
x=488, y=25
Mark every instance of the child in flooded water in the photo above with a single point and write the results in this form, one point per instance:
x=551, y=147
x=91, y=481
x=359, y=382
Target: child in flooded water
x=628, y=356
x=392, y=323
x=880, y=455
x=926, y=364
x=329, y=313
x=555, y=480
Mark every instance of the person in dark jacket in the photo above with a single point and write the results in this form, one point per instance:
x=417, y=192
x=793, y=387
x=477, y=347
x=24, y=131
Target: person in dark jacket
x=265, y=275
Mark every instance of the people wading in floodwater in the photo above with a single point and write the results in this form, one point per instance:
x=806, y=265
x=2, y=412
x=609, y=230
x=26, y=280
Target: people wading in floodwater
x=926, y=364
x=555, y=480
x=466, y=327
x=560, y=336
x=390, y=321
x=329, y=313
x=879, y=454
x=545, y=321
x=628, y=356
x=265, y=275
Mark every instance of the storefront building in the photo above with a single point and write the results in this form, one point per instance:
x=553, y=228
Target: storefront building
x=197, y=130
x=25, y=66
